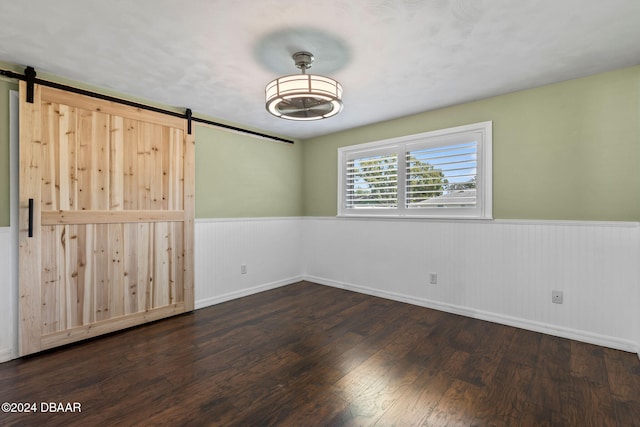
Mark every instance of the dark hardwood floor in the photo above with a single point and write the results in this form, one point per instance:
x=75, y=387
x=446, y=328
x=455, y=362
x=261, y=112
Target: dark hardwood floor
x=310, y=355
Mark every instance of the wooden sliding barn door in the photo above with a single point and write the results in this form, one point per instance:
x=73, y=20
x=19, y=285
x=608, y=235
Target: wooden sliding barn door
x=108, y=240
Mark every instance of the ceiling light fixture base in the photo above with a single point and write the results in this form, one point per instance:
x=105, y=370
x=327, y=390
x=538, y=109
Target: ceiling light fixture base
x=303, y=60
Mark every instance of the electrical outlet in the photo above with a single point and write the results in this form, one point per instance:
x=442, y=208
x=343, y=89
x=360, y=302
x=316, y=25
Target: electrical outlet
x=556, y=297
x=243, y=269
x=433, y=278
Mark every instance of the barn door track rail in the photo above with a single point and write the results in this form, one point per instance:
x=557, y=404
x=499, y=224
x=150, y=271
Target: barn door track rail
x=30, y=77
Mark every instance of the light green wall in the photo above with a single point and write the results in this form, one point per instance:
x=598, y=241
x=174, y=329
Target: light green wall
x=5, y=87
x=242, y=176
x=567, y=151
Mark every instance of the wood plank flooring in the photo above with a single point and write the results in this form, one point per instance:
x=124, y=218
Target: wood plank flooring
x=310, y=355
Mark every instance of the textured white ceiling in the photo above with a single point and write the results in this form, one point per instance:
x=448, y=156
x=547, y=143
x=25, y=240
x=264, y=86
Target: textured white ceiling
x=393, y=57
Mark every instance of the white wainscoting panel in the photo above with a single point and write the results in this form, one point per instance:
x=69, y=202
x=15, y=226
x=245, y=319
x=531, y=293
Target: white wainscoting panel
x=8, y=317
x=269, y=247
x=502, y=271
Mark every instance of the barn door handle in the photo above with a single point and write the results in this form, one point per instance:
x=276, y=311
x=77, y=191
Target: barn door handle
x=30, y=217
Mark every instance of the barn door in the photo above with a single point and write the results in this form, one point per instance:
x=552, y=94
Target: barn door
x=106, y=217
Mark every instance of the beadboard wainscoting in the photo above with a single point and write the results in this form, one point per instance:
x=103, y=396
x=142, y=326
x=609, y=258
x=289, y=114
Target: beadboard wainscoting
x=8, y=302
x=270, y=248
x=501, y=271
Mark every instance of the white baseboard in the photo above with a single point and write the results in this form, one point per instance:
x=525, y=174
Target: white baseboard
x=6, y=354
x=558, y=331
x=206, y=302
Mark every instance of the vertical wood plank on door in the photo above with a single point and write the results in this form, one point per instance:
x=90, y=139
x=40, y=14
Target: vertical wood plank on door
x=175, y=161
x=86, y=251
x=174, y=156
x=84, y=156
x=130, y=279
x=116, y=202
x=153, y=135
x=101, y=279
x=132, y=161
x=81, y=273
x=116, y=164
x=144, y=153
x=171, y=254
x=50, y=131
x=99, y=190
x=161, y=265
x=49, y=281
x=168, y=203
x=143, y=260
x=165, y=152
x=64, y=175
x=100, y=162
x=160, y=248
x=72, y=134
x=29, y=247
x=116, y=272
x=130, y=164
x=71, y=283
x=68, y=177
x=61, y=302
x=185, y=269
x=189, y=215
x=177, y=263
x=52, y=290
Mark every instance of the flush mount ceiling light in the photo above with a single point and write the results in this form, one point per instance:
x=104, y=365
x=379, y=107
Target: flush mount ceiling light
x=304, y=96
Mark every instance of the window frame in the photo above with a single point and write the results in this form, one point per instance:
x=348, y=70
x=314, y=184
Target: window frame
x=481, y=132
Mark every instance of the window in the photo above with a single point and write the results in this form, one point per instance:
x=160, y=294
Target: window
x=444, y=173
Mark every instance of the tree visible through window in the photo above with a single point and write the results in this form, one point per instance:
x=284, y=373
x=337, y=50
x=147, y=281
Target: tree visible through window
x=373, y=182
x=424, y=180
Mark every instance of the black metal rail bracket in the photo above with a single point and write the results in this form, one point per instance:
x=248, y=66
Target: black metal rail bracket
x=30, y=75
x=187, y=114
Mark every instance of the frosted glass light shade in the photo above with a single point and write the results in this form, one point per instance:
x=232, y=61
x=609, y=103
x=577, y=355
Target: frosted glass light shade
x=304, y=97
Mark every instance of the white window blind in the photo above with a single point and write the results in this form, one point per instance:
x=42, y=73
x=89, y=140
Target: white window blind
x=445, y=173
x=372, y=182
x=442, y=177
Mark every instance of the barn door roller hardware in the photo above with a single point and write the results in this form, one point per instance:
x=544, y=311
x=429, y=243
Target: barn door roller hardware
x=187, y=115
x=30, y=75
